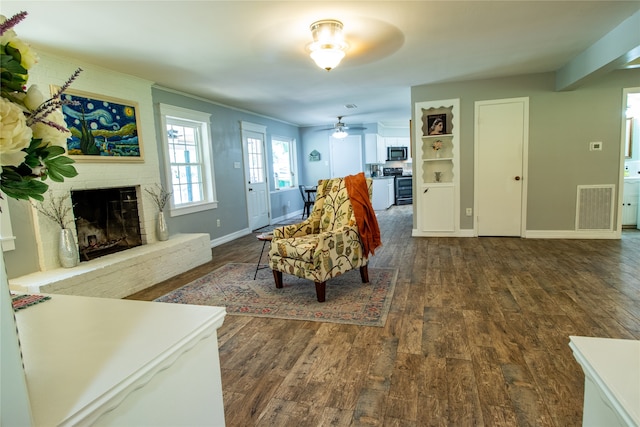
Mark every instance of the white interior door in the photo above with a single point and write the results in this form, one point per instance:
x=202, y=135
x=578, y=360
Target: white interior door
x=346, y=155
x=501, y=129
x=257, y=188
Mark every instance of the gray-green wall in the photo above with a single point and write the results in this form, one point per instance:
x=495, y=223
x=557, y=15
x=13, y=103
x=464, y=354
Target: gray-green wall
x=227, y=149
x=561, y=125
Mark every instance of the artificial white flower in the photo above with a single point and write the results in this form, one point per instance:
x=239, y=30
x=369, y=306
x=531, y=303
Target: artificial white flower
x=12, y=159
x=50, y=134
x=14, y=134
x=34, y=98
x=28, y=56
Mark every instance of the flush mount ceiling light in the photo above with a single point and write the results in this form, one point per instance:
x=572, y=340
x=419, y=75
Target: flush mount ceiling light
x=328, y=47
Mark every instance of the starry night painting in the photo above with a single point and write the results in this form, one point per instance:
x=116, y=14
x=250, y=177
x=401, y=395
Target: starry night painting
x=101, y=128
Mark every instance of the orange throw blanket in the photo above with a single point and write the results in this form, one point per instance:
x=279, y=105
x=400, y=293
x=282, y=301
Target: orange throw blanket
x=364, y=213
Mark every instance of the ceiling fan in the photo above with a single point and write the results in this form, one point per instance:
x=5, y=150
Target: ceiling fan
x=340, y=129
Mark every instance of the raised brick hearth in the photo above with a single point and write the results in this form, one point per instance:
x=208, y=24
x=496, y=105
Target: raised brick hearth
x=124, y=273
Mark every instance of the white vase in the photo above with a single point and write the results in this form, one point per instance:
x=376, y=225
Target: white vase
x=162, y=230
x=437, y=154
x=67, y=249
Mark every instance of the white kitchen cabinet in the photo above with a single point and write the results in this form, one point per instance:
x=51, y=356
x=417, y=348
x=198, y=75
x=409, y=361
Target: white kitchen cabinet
x=437, y=173
x=383, y=193
x=630, y=202
x=375, y=149
x=101, y=361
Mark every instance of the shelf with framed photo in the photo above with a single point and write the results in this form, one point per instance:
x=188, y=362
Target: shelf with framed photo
x=437, y=176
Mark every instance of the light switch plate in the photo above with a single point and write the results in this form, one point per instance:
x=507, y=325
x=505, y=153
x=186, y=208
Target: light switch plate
x=595, y=146
x=236, y=165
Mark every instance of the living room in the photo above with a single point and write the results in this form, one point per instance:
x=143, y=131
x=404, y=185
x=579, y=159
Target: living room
x=561, y=125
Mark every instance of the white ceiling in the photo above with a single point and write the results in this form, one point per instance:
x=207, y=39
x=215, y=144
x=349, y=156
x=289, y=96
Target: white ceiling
x=252, y=54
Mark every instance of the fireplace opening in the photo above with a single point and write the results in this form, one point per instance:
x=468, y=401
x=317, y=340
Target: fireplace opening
x=107, y=221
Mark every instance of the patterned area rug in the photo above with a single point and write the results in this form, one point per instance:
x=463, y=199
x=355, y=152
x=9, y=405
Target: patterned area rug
x=348, y=300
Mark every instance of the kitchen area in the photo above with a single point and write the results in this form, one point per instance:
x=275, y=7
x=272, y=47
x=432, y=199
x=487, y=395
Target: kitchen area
x=388, y=162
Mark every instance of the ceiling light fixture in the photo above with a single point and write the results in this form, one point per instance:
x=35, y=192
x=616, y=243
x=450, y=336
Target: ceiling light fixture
x=328, y=47
x=340, y=134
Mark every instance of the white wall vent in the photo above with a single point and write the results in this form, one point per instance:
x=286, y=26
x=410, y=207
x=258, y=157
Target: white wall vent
x=594, y=209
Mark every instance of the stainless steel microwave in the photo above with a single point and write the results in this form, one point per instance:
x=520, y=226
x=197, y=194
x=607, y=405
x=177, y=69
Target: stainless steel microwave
x=397, y=153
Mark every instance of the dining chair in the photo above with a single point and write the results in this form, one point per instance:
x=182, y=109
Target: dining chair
x=308, y=197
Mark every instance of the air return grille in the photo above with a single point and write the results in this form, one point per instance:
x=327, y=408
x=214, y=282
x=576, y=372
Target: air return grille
x=595, y=207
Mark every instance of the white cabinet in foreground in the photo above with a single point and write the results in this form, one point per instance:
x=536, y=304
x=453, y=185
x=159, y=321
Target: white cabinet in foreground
x=611, y=380
x=99, y=361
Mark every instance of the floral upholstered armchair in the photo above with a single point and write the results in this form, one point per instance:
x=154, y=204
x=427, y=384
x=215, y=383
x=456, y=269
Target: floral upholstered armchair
x=324, y=245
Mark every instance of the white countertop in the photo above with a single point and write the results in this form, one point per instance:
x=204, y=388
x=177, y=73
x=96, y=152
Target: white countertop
x=613, y=364
x=83, y=353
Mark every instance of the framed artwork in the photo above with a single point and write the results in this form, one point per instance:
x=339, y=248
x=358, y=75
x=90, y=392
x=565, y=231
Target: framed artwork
x=102, y=128
x=436, y=124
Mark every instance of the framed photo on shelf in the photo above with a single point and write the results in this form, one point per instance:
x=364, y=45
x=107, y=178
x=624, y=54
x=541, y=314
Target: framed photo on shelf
x=436, y=124
x=102, y=128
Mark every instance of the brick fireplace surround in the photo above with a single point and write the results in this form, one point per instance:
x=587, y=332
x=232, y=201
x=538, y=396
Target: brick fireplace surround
x=124, y=273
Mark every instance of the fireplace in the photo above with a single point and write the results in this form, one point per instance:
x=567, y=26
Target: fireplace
x=107, y=220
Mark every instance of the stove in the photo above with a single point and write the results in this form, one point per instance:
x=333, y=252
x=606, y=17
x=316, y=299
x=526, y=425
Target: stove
x=392, y=171
x=403, y=185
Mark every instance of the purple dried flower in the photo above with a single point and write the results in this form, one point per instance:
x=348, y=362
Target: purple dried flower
x=12, y=22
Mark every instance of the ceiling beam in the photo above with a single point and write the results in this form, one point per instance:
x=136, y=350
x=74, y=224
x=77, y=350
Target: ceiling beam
x=613, y=51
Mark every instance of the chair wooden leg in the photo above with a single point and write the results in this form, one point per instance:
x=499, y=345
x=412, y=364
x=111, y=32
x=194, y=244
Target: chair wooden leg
x=320, y=290
x=364, y=274
x=277, y=276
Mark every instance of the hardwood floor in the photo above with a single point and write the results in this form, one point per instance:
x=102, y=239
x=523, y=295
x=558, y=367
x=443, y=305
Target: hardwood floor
x=477, y=335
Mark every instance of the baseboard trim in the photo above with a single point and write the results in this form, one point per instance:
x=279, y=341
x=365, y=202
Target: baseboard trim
x=530, y=234
x=230, y=237
x=572, y=234
x=459, y=233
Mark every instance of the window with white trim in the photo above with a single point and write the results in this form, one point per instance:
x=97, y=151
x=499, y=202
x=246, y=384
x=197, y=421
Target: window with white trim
x=188, y=161
x=285, y=169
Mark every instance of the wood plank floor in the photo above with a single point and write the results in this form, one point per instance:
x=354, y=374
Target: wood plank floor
x=477, y=335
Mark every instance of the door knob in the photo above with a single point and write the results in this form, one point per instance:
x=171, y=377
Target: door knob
x=517, y=178
x=251, y=189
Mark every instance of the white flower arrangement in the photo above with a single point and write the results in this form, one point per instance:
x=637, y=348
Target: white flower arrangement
x=33, y=131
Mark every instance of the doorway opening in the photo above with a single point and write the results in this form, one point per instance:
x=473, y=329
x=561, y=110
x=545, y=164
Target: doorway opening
x=629, y=216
